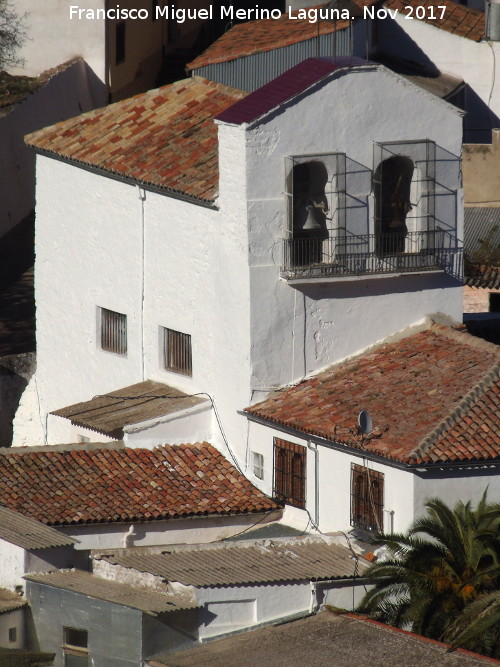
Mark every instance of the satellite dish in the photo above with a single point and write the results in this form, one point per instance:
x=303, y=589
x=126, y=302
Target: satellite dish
x=365, y=422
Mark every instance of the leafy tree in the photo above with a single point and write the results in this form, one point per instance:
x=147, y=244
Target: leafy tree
x=12, y=34
x=448, y=560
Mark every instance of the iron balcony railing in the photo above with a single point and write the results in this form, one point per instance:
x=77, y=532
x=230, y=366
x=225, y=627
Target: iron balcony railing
x=371, y=254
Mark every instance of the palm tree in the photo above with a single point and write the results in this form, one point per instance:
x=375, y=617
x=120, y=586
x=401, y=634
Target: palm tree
x=448, y=559
x=477, y=628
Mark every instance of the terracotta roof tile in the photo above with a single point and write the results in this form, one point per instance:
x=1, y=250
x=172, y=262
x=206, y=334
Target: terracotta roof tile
x=457, y=19
x=416, y=390
x=164, y=138
x=263, y=35
x=105, y=485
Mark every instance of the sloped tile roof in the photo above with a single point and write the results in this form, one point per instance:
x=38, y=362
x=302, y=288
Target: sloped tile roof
x=426, y=393
x=85, y=583
x=281, y=89
x=111, y=412
x=107, y=485
x=263, y=35
x=164, y=138
x=260, y=562
x=10, y=601
x=28, y=533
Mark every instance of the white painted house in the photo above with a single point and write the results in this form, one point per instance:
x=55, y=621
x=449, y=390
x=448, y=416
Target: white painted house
x=238, y=256
x=124, y=49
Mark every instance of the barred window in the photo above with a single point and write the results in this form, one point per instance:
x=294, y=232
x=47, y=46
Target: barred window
x=120, y=37
x=290, y=472
x=367, y=498
x=177, y=352
x=113, y=331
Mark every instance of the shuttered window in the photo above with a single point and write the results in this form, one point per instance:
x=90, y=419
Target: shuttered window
x=177, y=352
x=367, y=498
x=290, y=472
x=113, y=331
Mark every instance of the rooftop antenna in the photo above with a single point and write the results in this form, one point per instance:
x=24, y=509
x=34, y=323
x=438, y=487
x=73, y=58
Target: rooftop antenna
x=365, y=422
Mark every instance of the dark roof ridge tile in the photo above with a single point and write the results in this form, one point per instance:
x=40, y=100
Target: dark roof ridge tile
x=460, y=411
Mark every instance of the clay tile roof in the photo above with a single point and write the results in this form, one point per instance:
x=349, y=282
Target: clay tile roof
x=427, y=395
x=109, y=485
x=457, y=19
x=281, y=89
x=164, y=138
x=110, y=413
x=263, y=35
x=28, y=533
x=10, y=601
x=293, y=559
x=147, y=600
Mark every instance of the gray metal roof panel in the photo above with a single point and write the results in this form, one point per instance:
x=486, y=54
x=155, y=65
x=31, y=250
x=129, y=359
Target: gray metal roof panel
x=86, y=583
x=229, y=564
x=29, y=533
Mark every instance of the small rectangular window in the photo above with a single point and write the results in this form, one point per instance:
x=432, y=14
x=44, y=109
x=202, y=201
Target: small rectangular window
x=367, y=498
x=12, y=635
x=177, y=352
x=113, y=331
x=120, y=32
x=75, y=646
x=258, y=465
x=290, y=472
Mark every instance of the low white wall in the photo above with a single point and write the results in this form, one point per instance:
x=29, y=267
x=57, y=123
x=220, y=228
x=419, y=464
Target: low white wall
x=67, y=93
x=177, y=531
x=12, y=565
x=231, y=608
x=189, y=426
x=12, y=619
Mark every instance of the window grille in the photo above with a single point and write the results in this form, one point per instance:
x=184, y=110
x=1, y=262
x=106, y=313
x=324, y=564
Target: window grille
x=367, y=498
x=290, y=472
x=177, y=352
x=113, y=331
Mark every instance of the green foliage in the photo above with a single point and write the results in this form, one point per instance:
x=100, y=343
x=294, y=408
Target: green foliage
x=447, y=562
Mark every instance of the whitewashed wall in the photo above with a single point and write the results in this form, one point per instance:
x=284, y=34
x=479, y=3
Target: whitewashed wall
x=52, y=38
x=12, y=619
x=296, y=330
x=12, y=562
x=153, y=533
x=66, y=94
x=328, y=496
x=475, y=62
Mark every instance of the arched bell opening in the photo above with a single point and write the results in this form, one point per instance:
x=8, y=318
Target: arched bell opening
x=309, y=214
x=392, y=186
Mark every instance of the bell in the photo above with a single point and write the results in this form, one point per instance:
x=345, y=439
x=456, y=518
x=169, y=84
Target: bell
x=311, y=221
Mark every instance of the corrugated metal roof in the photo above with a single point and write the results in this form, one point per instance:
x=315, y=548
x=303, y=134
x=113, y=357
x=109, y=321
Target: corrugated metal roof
x=229, y=564
x=85, y=583
x=28, y=533
x=110, y=413
x=481, y=230
x=10, y=601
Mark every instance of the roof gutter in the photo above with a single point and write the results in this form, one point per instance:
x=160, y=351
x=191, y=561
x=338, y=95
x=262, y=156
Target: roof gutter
x=363, y=453
x=150, y=187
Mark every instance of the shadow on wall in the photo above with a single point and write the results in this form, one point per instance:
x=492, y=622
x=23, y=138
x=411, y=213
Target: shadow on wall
x=15, y=372
x=392, y=41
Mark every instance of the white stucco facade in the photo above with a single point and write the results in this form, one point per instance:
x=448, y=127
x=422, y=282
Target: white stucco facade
x=474, y=62
x=214, y=273
x=12, y=629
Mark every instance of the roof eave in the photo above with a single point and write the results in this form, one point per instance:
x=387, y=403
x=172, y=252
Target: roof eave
x=358, y=451
x=122, y=178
